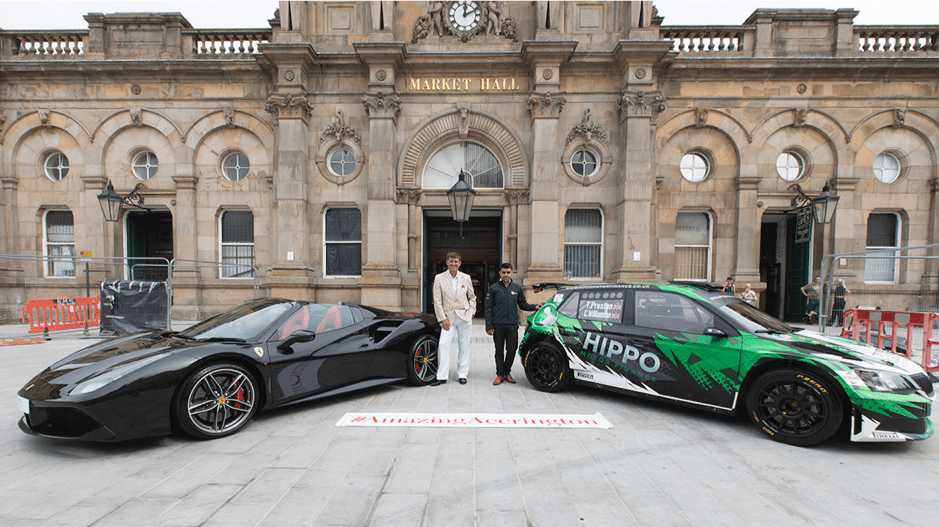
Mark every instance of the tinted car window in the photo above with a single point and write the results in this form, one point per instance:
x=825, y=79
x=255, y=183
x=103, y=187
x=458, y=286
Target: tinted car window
x=569, y=307
x=658, y=310
x=602, y=306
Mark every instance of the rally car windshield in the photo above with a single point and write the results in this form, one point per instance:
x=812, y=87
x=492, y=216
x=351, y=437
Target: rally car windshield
x=752, y=319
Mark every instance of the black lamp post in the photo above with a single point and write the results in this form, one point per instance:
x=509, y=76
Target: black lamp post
x=823, y=206
x=112, y=203
x=461, y=196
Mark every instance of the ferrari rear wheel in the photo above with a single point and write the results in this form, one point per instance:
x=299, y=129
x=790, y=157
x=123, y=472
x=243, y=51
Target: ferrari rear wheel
x=794, y=407
x=547, y=368
x=216, y=401
x=422, y=361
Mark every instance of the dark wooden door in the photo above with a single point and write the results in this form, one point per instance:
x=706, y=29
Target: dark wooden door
x=480, y=247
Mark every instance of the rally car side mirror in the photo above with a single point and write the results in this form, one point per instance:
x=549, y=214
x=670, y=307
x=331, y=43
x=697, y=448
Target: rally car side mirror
x=714, y=332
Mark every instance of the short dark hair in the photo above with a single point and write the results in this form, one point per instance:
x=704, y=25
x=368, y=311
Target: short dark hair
x=730, y=277
x=505, y=265
x=453, y=254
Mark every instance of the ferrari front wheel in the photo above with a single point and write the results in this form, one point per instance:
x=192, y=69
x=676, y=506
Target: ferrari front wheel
x=216, y=401
x=547, y=368
x=794, y=407
x=422, y=361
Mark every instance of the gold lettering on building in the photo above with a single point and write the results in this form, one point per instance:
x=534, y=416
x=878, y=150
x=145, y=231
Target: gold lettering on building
x=455, y=84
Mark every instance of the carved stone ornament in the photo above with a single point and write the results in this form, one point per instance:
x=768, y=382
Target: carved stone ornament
x=135, y=89
x=641, y=103
x=44, y=118
x=340, y=130
x=379, y=106
x=3, y=121
x=229, y=117
x=899, y=117
x=801, y=88
x=517, y=196
x=437, y=21
x=463, y=122
x=409, y=195
x=700, y=117
x=289, y=106
x=799, y=116
x=136, y=117
x=587, y=129
x=546, y=105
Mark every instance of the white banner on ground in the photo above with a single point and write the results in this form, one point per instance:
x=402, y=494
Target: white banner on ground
x=476, y=420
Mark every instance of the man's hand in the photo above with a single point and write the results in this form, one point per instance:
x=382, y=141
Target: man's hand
x=445, y=324
x=539, y=306
x=490, y=332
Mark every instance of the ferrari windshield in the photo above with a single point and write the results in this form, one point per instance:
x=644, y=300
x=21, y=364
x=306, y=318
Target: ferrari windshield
x=752, y=319
x=244, y=322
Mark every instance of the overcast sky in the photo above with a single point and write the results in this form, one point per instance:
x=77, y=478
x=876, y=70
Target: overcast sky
x=43, y=14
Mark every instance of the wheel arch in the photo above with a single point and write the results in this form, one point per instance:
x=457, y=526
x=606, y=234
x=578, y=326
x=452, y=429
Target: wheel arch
x=252, y=368
x=794, y=364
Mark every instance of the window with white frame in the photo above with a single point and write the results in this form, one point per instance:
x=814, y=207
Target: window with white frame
x=343, y=242
x=60, y=243
x=693, y=246
x=583, y=243
x=56, y=166
x=695, y=167
x=886, y=167
x=145, y=165
x=883, y=237
x=443, y=168
x=235, y=166
x=237, y=244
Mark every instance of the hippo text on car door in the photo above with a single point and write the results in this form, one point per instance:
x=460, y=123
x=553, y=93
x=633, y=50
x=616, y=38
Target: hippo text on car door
x=692, y=355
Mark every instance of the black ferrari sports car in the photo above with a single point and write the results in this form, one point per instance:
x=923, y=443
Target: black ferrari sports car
x=209, y=380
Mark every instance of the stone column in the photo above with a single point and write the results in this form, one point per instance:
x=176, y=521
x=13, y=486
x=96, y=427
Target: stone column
x=842, y=235
x=545, y=206
x=635, y=218
x=381, y=279
x=515, y=196
x=747, y=239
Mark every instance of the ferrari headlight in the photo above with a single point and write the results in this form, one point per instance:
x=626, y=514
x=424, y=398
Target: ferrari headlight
x=99, y=381
x=881, y=381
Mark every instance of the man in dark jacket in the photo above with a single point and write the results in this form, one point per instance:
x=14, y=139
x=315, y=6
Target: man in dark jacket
x=503, y=300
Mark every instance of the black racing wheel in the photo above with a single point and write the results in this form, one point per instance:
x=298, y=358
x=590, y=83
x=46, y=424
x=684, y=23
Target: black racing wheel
x=215, y=401
x=794, y=407
x=422, y=361
x=547, y=368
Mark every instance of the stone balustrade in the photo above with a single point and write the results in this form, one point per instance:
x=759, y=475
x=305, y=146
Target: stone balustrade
x=46, y=44
x=708, y=39
x=895, y=39
x=224, y=43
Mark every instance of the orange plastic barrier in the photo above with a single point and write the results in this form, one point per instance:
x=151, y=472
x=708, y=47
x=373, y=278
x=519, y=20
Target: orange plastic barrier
x=865, y=325
x=56, y=314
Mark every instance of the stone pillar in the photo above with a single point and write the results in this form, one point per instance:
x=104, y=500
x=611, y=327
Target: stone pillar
x=842, y=234
x=292, y=269
x=515, y=196
x=931, y=275
x=381, y=279
x=747, y=239
x=545, y=207
x=635, y=215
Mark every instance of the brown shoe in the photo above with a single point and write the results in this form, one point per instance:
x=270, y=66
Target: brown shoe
x=498, y=381
x=510, y=379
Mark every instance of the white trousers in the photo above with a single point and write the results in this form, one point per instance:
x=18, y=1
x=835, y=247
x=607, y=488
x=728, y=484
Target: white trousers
x=464, y=329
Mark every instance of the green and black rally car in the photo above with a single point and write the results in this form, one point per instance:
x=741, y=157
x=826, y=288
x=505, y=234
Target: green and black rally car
x=696, y=346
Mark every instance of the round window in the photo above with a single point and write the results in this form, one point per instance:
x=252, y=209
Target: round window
x=584, y=162
x=145, y=165
x=341, y=162
x=695, y=167
x=236, y=166
x=56, y=167
x=790, y=166
x=886, y=168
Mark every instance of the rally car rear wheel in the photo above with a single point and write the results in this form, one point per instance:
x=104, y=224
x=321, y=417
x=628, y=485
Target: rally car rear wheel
x=794, y=407
x=547, y=368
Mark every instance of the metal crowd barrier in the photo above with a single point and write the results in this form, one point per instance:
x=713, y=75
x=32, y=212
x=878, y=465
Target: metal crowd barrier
x=883, y=328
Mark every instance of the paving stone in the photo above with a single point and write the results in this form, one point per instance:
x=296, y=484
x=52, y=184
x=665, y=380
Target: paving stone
x=398, y=510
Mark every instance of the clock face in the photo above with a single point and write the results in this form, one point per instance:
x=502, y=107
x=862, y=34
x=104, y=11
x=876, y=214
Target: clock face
x=465, y=15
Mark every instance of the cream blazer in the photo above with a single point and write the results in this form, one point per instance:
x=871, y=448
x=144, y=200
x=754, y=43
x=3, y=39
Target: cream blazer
x=446, y=304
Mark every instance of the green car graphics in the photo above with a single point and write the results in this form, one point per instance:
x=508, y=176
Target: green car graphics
x=699, y=347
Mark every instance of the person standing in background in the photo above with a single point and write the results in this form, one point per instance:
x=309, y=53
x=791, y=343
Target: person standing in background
x=837, y=308
x=729, y=286
x=749, y=296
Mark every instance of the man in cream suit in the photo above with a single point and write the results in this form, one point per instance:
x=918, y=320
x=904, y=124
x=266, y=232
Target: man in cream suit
x=454, y=305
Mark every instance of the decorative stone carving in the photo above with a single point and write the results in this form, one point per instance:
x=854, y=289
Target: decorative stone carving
x=546, y=105
x=44, y=118
x=229, y=117
x=700, y=117
x=289, y=106
x=899, y=117
x=408, y=195
x=509, y=29
x=340, y=130
x=517, y=196
x=491, y=22
x=379, y=106
x=136, y=117
x=799, y=116
x=641, y=103
x=801, y=88
x=3, y=121
x=587, y=129
x=463, y=125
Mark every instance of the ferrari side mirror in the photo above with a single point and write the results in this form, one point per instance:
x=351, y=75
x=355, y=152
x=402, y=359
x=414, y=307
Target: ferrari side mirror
x=303, y=335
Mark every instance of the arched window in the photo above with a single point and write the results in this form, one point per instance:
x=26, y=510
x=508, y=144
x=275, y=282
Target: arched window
x=443, y=168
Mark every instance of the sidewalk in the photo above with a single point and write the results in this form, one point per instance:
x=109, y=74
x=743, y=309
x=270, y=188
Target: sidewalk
x=660, y=465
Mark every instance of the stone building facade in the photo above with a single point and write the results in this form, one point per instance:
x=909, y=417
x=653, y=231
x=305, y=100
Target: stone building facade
x=602, y=145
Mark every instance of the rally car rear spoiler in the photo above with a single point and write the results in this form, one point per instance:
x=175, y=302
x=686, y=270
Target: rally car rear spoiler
x=539, y=287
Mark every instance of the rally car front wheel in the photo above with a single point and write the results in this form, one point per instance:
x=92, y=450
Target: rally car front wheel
x=794, y=407
x=547, y=368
